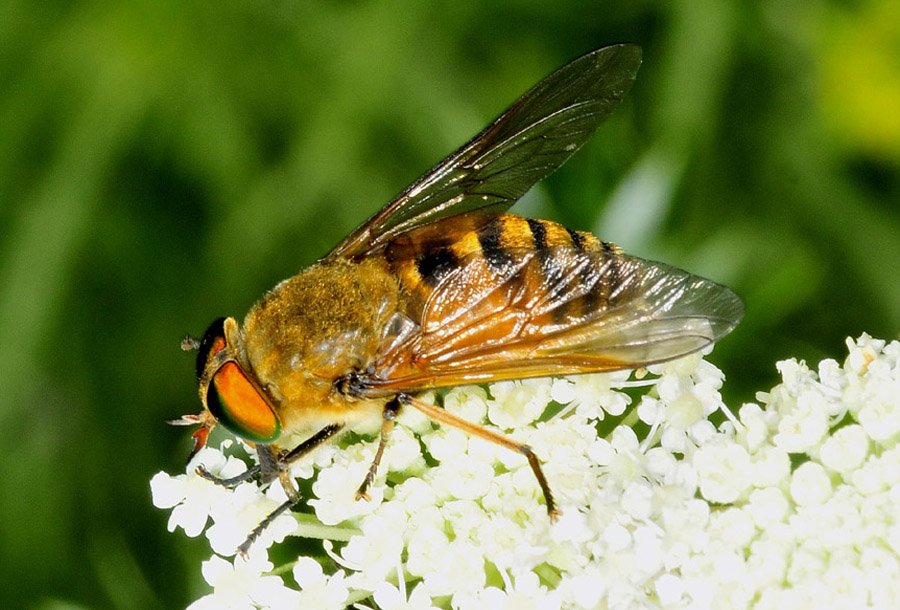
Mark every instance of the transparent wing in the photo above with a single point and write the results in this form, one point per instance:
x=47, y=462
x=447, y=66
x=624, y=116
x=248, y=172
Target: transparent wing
x=554, y=312
x=526, y=143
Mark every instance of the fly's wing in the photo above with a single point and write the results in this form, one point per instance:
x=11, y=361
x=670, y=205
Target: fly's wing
x=526, y=143
x=555, y=311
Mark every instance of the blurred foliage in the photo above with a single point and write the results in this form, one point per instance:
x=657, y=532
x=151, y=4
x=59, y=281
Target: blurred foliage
x=163, y=163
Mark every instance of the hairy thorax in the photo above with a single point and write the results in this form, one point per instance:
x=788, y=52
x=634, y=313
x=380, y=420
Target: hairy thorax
x=313, y=330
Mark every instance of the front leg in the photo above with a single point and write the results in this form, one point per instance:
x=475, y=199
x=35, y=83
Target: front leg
x=229, y=483
x=277, y=466
x=270, y=467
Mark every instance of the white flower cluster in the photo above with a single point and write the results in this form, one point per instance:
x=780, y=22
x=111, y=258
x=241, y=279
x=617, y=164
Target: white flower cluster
x=794, y=503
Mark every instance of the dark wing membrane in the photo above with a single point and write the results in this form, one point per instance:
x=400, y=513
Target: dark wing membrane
x=555, y=311
x=525, y=144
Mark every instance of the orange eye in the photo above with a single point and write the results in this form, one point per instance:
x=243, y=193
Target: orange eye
x=213, y=341
x=238, y=406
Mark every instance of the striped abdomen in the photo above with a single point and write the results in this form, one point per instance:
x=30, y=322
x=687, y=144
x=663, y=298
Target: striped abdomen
x=510, y=253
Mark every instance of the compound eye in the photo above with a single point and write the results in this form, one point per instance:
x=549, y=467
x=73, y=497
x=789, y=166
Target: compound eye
x=236, y=403
x=213, y=341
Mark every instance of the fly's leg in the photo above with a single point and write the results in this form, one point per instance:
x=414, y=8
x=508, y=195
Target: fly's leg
x=309, y=444
x=270, y=467
x=267, y=469
x=244, y=547
x=231, y=482
x=389, y=416
x=443, y=417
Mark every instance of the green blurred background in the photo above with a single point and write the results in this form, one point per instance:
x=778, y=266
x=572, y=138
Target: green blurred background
x=164, y=163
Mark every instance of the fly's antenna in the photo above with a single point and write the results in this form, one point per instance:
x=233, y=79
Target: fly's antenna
x=189, y=344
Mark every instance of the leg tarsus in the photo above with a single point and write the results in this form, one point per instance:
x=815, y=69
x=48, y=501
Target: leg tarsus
x=552, y=511
x=231, y=482
x=441, y=416
x=244, y=548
